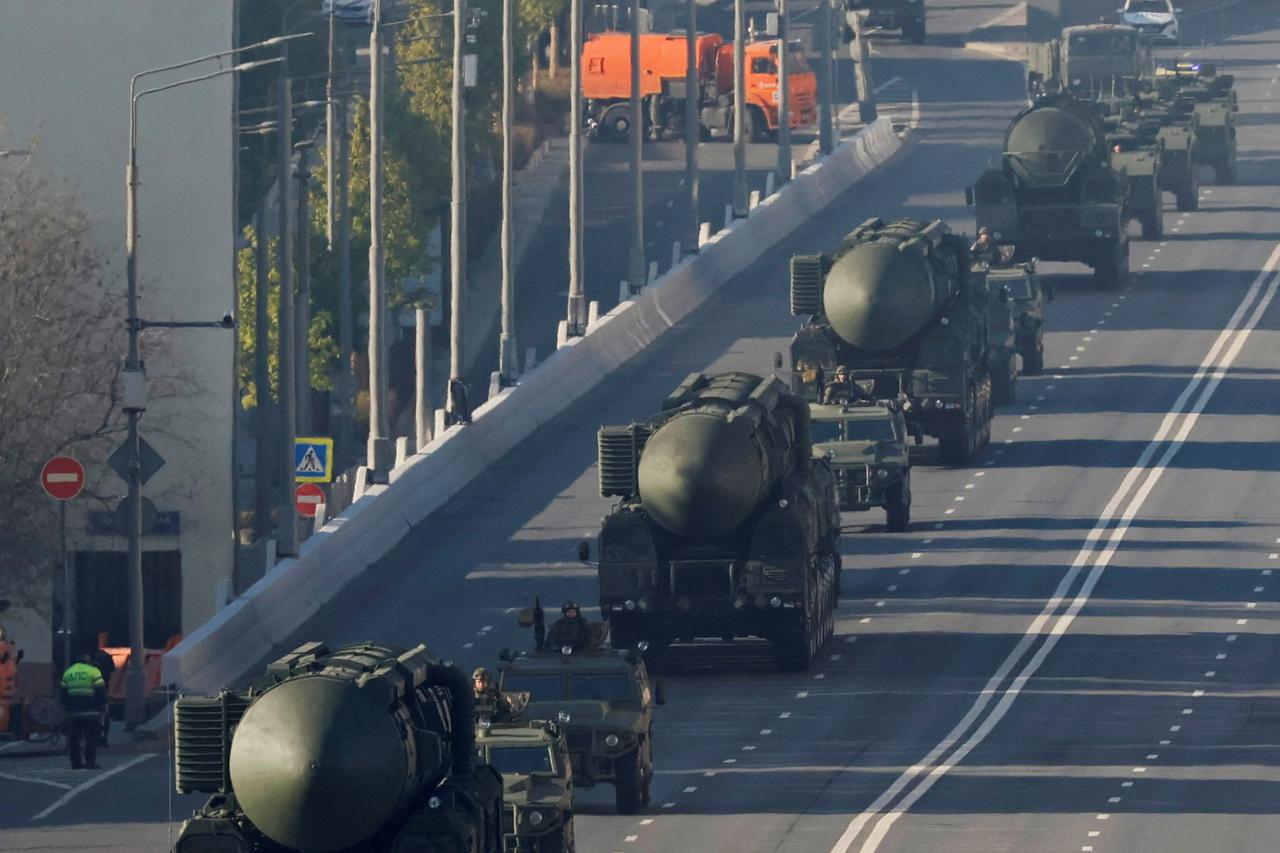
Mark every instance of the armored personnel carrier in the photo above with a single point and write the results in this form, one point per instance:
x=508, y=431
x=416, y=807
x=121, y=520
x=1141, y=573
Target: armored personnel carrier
x=602, y=700
x=897, y=305
x=537, y=783
x=865, y=442
x=1056, y=195
x=727, y=526
x=364, y=747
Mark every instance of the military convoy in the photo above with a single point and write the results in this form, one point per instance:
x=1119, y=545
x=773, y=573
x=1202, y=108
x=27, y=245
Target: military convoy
x=727, y=526
x=897, y=305
x=363, y=747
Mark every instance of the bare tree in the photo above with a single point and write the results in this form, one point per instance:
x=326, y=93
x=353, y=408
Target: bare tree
x=61, y=333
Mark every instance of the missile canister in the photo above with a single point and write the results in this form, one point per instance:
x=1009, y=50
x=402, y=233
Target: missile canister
x=727, y=526
x=898, y=306
x=364, y=747
x=1056, y=196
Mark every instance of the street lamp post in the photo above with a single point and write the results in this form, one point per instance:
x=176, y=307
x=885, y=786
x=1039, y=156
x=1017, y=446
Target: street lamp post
x=378, y=451
x=459, y=410
x=692, y=125
x=637, y=271
x=574, y=322
x=134, y=383
x=508, y=365
x=784, y=92
x=739, y=110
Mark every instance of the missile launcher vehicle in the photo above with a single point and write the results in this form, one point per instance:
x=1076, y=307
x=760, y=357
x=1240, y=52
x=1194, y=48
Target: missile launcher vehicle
x=1056, y=195
x=364, y=747
x=537, y=784
x=865, y=442
x=603, y=701
x=898, y=306
x=727, y=526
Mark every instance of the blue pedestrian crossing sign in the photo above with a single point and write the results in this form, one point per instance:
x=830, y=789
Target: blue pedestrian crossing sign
x=312, y=459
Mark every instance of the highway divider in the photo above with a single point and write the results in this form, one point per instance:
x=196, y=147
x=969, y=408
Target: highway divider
x=233, y=644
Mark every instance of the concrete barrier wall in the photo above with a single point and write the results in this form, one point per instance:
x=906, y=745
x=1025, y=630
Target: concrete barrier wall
x=230, y=646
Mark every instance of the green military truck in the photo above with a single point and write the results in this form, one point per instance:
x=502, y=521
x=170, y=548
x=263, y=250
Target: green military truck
x=1056, y=195
x=865, y=442
x=1209, y=98
x=907, y=16
x=1091, y=61
x=537, y=783
x=1139, y=160
x=603, y=701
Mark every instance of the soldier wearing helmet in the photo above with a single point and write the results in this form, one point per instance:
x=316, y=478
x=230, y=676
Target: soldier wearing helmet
x=570, y=629
x=490, y=702
x=984, y=250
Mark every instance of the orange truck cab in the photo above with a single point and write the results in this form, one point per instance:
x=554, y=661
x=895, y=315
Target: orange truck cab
x=606, y=85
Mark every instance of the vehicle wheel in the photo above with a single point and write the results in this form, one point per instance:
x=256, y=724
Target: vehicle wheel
x=898, y=510
x=615, y=124
x=1224, y=173
x=628, y=784
x=1033, y=355
x=794, y=646
x=1004, y=386
x=1189, y=196
x=648, y=776
x=756, y=129
x=915, y=32
x=1111, y=268
x=1153, y=223
x=564, y=843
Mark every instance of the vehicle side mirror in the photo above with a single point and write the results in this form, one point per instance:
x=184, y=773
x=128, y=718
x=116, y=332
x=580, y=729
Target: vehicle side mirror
x=968, y=196
x=584, y=551
x=659, y=693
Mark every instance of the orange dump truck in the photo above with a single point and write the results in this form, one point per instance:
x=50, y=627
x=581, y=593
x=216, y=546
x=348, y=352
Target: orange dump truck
x=606, y=85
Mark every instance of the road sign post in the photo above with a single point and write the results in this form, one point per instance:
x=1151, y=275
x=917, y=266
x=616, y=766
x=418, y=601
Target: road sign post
x=307, y=499
x=62, y=478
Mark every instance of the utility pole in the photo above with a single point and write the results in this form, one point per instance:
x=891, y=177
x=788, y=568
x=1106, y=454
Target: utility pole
x=379, y=445
x=287, y=534
x=826, y=108
x=422, y=418
x=862, y=67
x=261, y=371
x=508, y=364
x=784, y=96
x=739, y=111
x=638, y=270
x=577, y=309
x=330, y=120
x=346, y=379
x=692, y=125
x=302, y=319
x=458, y=223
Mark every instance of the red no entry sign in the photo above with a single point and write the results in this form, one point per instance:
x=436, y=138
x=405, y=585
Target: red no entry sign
x=307, y=498
x=62, y=477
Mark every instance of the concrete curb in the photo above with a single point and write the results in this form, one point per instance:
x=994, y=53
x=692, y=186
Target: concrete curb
x=231, y=645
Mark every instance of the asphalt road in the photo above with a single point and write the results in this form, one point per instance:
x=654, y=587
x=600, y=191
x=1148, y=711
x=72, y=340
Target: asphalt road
x=1072, y=648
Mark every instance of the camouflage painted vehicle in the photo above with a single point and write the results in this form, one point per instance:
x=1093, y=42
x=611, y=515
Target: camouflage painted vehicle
x=365, y=747
x=905, y=15
x=1139, y=160
x=1056, y=196
x=1215, y=123
x=896, y=304
x=1197, y=90
x=727, y=526
x=605, y=699
x=1155, y=123
x=537, y=784
x=866, y=445
x=1024, y=292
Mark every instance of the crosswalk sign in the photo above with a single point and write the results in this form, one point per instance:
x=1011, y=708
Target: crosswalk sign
x=313, y=459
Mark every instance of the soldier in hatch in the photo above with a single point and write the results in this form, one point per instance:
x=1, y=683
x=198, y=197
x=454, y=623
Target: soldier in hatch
x=571, y=629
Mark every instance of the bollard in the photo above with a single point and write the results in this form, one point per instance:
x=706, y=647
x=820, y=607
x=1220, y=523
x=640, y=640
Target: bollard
x=593, y=313
x=402, y=450
x=769, y=184
x=624, y=291
x=495, y=384
x=704, y=234
x=653, y=272
x=530, y=359
x=728, y=215
x=675, y=253
x=562, y=333
x=442, y=419
x=795, y=169
x=753, y=200
x=362, y=482
x=321, y=517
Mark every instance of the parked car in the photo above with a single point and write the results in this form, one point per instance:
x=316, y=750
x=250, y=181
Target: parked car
x=350, y=11
x=1155, y=20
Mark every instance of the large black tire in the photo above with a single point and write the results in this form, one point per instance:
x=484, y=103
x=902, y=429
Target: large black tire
x=898, y=508
x=915, y=31
x=794, y=647
x=1033, y=354
x=628, y=783
x=1189, y=196
x=1004, y=383
x=1111, y=267
x=646, y=771
x=615, y=124
x=958, y=445
x=1153, y=222
x=756, y=129
x=1224, y=172
x=560, y=842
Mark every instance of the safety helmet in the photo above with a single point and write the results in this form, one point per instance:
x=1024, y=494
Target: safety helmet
x=567, y=606
x=480, y=673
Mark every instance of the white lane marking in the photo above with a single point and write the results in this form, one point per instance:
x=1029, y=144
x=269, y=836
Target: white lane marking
x=691, y=789
x=1126, y=784
x=766, y=732
x=879, y=604
x=916, y=555
x=1213, y=368
x=1187, y=712
x=1220, y=656
x=1210, y=673
x=749, y=747
x=785, y=715
x=820, y=676
x=630, y=838
x=1153, y=757
x=1266, y=572
x=803, y=694
x=1165, y=742
x=1113, y=800
x=84, y=786
x=668, y=805
x=730, y=761
x=893, y=587
x=1250, y=605
x=1139, y=770
x=1257, y=589
x=1231, y=638
x=34, y=781
x=1196, y=694
x=940, y=525
x=951, y=511
x=901, y=572
x=647, y=820
x=468, y=645
x=959, y=499
x=1242, y=621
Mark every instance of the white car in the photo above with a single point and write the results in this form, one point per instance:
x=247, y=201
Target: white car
x=351, y=11
x=1155, y=20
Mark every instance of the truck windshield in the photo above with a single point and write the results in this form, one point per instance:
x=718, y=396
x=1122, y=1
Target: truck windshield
x=520, y=759
x=799, y=65
x=601, y=687
x=869, y=430
x=541, y=687
x=1102, y=44
x=1157, y=6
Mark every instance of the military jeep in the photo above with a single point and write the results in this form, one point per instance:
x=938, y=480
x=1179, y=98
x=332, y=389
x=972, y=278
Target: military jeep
x=1026, y=293
x=866, y=445
x=537, y=784
x=607, y=700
